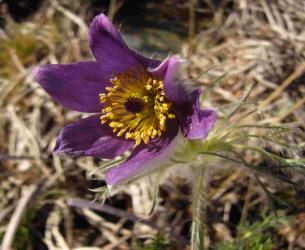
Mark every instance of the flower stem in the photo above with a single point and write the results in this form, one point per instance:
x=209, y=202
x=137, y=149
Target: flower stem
x=198, y=208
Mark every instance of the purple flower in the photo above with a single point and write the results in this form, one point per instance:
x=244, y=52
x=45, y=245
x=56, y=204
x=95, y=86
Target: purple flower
x=138, y=102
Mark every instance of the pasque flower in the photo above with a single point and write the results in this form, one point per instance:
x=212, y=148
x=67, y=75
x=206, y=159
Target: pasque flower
x=140, y=104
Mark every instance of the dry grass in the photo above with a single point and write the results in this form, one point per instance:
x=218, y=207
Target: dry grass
x=251, y=41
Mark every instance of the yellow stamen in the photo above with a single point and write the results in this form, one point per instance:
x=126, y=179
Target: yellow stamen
x=136, y=106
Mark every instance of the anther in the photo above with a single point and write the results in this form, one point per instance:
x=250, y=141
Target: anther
x=148, y=87
x=115, y=125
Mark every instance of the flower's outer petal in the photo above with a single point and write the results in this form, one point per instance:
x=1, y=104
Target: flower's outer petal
x=75, y=86
x=195, y=123
x=145, y=157
x=87, y=137
x=168, y=71
x=111, y=51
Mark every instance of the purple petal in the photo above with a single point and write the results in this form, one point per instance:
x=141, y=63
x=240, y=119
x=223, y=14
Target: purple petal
x=75, y=86
x=144, y=157
x=195, y=123
x=87, y=137
x=110, y=49
x=168, y=71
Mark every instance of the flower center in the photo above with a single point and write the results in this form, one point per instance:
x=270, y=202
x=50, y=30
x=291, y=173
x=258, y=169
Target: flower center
x=136, y=106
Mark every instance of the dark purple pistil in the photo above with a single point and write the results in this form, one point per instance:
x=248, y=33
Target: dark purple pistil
x=134, y=105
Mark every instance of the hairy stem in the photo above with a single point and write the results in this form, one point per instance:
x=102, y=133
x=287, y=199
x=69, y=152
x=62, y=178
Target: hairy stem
x=198, y=208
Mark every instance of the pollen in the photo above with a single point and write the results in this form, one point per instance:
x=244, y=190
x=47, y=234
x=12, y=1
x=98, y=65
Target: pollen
x=135, y=106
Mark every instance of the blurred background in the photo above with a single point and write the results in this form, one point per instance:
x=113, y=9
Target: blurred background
x=46, y=200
